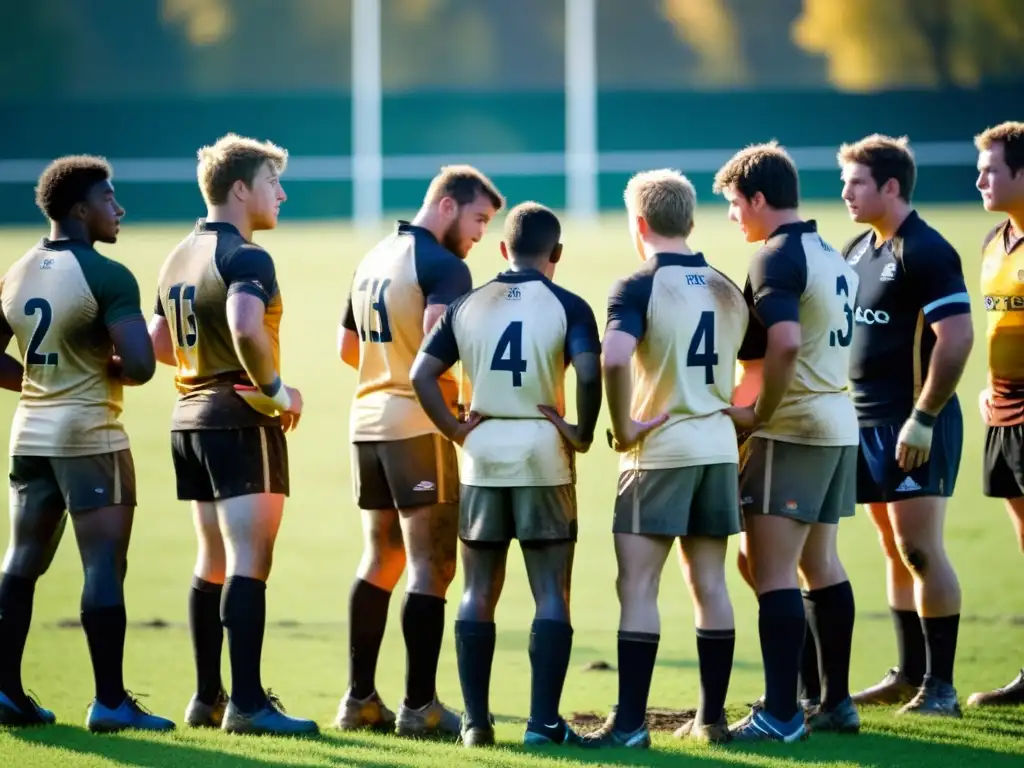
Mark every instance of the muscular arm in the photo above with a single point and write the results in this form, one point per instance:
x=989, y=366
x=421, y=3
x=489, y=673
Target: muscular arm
x=160, y=336
x=778, y=368
x=11, y=370
x=134, y=348
x=954, y=337
x=439, y=352
x=617, y=350
x=245, y=320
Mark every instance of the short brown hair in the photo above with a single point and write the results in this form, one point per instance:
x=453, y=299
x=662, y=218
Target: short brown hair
x=66, y=182
x=765, y=168
x=886, y=157
x=665, y=198
x=1011, y=135
x=532, y=230
x=463, y=183
x=235, y=158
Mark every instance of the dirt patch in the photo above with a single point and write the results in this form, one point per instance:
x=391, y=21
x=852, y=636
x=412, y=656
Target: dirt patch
x=658, y=719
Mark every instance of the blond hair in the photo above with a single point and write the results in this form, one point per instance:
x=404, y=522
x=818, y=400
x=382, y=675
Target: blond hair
x=235, y=158
x=666, y=199
x=1011, y=135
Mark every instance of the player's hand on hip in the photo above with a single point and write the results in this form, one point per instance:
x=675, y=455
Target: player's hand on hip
x=568, y=431
x=269, y=406
x=744, y=418
x=985, y=405
x=635, y=432
x=290, y=418
x=472, y=421
x=914, y=444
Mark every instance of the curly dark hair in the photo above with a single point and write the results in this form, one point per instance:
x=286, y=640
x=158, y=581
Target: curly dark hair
x=67, y=180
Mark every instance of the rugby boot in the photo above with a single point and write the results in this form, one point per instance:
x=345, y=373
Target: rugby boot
x=477, y=735
x=23, y=711
x=935, y=698
x=761, y=726
x=843, y=718
x=364, y=714
x=894, y=688
x=270, y=720
x=431, y=720
x=543, y=735
x=1009, y=695
x=698, y=730
x=199, y=714
x=608, y=735
x=129, y=715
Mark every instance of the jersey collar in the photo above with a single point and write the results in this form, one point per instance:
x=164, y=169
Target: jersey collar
x=407, y=227
x=520, y=276
x=202, y=225
x=678, y=260
x=62, y=244
x=908, y=223
x=796, y=228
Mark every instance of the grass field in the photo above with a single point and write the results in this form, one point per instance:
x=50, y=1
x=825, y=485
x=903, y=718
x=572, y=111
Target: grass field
x=305, y=655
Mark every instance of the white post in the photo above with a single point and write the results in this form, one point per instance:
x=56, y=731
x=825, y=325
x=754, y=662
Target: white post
x=581, y=108
x=367, y=163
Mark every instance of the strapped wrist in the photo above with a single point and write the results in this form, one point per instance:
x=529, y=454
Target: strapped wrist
x=923, y=418
x=278, y=392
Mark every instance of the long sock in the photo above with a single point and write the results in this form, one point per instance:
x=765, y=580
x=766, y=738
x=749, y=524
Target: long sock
x=367, y=618
x=810, y=675
x=550, y=648
x=831, y=612
x=910, y=645
x=637, y=653
x=715, y=649
x=16, y=595
x=474, y=651
x=940, y=636
x=423, y=629
x=782, y=626
x=207, y=637
x=104, y=631
x=244, y=615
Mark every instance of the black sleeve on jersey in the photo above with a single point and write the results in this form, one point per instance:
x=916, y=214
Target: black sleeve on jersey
x=581, y=334
x=777, y=278
x=348, y=320
x=158, y=308
x=755, y=340
x=116, y=291
x=440, y=342
x=443, y=276
x=627, y=304
x=249, y=269
x=934, y=269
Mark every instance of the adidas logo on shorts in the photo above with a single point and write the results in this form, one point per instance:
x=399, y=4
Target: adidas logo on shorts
x=908, y=485
x=424, y=485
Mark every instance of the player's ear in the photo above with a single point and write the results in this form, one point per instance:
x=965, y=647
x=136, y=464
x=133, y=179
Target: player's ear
x=448, y=207
x=504, y=250
x=79, y=211
x=758, y=201
x=891, y=187
x=240, y=190
x=556, y=253
x=642, y=227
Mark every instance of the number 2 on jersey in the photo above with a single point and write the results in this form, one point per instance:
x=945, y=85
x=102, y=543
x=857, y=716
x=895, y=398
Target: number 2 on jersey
x=511, y=343
x=843, y=337
x=184, y=317
x=704, y=336
x=378, y=308
x=33, y=356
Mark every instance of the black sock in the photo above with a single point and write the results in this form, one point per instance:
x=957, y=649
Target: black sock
x=940, y=638
x=423, y=629
x=714, y=654
x=474, y=650
x=550, y=648
x=637, y=653
x=830, y=612
x=782, y=626
x=243, y=612
x=910, y=645
x=367, y=618
x=810, y=676
x=104, y=631
x=207, y=637
x=16, y=593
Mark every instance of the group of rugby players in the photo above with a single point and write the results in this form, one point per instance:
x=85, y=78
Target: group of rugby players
x=769, y=411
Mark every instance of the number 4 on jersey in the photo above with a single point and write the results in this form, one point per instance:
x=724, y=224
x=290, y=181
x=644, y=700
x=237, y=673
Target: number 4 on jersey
x=511, y=343
x=704, y=337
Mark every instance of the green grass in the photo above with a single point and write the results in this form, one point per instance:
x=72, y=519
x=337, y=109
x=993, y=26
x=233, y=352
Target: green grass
x=305, y=656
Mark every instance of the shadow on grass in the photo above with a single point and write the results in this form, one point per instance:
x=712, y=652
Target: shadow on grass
x=938, y=745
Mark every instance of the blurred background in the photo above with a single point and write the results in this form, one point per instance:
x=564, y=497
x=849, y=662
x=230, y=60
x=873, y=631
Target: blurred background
x=652, y=83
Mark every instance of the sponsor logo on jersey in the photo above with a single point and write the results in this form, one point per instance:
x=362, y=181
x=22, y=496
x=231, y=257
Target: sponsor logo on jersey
x=1004, y=303
x=889, y=273
x=871, y=316
x=47, y=263
x=694, y=279
x=514, y=294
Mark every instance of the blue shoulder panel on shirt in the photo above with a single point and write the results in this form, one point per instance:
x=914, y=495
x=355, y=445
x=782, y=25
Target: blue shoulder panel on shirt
x=249, y=269
x=778, y=277
x=628, y=302
x=581, y=334
x=442, y=275
x=935, y=272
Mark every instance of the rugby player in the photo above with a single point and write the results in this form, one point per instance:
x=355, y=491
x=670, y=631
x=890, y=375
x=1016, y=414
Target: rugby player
x=82, y=338
x=217, y=320
x=1001, y=182
x=674, y=330
x=798, y=473
x=913, y=336
x=405, y=474
x=515, y=335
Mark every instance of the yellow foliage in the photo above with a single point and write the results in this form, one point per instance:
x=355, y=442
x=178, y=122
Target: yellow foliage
x=710, y=30
x=206, y=22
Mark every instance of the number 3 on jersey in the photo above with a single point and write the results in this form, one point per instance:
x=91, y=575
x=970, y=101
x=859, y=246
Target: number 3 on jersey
x=511, y=344
x=843, y=338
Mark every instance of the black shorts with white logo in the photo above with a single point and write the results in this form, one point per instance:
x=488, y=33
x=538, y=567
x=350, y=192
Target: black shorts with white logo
x=217, y=464
x=1004, y=462
x=405, y=474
